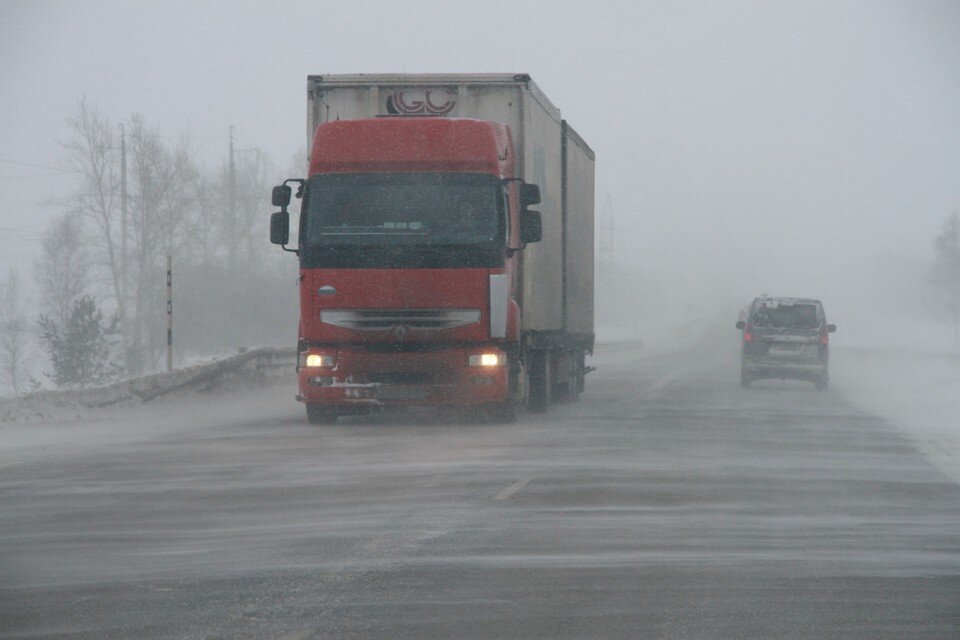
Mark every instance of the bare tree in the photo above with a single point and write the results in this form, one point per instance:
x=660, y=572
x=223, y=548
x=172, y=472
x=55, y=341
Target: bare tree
x=945, y=272
x=243, y=184
x=63, y=270
x=255, y=176
x=14, y=333
x=94, y=154
x=164, y=187
x=214, y=226
x=235, y=288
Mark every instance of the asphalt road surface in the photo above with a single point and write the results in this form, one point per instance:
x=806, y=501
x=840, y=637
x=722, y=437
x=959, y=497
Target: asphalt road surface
x=667, y=503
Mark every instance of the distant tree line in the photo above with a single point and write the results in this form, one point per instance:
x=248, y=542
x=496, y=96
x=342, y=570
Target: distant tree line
x=101, y=274
x=945, y=273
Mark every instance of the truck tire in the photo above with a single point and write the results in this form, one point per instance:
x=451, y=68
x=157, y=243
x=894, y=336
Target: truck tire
x=538, y=372
x=502, y=413
x=321, y=414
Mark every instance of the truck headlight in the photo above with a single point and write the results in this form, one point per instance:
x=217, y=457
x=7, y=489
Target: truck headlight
x=317, y=360
x=487, y=360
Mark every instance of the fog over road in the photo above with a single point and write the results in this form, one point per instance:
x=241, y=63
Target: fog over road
x=667, y=503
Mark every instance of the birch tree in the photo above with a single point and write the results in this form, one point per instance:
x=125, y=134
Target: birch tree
x=164, y=189
x=14, y=333
x=63, y=269
x=94, y=152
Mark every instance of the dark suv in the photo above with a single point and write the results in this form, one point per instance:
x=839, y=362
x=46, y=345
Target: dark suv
x=785, y=338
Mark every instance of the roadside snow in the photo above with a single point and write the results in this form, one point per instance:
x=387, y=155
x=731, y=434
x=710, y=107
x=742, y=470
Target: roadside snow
x=253, y=368
x=256, y=385
x=916, y=392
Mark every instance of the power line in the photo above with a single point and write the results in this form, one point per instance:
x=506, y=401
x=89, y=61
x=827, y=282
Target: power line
x=20, y=230
x=19, y=235
x=37, y=175
x=31, y=164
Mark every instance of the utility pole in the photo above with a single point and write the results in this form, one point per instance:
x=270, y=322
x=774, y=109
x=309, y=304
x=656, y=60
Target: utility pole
x=232, y=204
x=169, y=313
x=235, y=236
x=122, y=302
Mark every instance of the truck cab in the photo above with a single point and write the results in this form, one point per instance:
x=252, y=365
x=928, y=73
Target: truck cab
x=425, y=277
x=409, y=254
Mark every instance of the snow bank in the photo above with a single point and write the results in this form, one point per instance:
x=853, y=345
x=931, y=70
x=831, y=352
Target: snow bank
x=254, y=368
x=917, y=392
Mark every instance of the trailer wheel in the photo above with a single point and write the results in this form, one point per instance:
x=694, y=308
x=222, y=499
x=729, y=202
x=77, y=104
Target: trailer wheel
x=567, y=375
x=321, y=414
x=581, y=372
x=539, y=378
x=575, y=384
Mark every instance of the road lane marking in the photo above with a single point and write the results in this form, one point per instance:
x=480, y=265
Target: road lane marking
x=512, y=489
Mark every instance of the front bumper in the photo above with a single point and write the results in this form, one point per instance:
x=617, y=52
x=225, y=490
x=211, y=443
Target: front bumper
x=362, y=378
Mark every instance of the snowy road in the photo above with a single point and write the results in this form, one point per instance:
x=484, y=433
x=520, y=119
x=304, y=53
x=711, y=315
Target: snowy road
x=668, y=503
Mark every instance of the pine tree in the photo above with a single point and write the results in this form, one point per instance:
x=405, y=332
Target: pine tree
x=82, y=351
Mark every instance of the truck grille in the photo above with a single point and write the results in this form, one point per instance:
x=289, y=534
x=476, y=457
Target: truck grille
x=386, y=319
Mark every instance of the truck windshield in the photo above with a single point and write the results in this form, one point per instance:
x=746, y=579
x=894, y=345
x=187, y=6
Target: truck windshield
x=389, y=209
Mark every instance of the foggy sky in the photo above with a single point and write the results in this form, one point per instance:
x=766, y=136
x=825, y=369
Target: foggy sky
x=746, y=147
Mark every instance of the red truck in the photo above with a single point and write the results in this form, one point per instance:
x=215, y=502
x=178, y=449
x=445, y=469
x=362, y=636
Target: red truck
x=425, y=278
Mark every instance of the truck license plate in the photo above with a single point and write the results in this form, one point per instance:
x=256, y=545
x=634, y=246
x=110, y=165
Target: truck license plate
x=401, y=393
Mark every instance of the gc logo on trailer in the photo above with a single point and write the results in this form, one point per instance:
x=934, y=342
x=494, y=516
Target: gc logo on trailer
x=421, y=102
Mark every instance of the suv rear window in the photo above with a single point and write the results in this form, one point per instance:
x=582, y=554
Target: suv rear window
x=786, y=315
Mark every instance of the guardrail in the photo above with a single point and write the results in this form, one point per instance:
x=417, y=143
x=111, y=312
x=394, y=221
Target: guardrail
x=257, y=367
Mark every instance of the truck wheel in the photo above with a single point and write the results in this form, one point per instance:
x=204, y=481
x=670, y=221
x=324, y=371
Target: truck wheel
x=503, y=413
x=539, y=378
x=320, y=414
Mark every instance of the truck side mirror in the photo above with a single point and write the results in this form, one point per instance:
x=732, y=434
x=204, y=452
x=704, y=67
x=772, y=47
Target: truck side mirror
x=831, y=328
x=529, y=194
x=280, y=223
x=531, y=226
x=281, y=196
x=741, y=324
